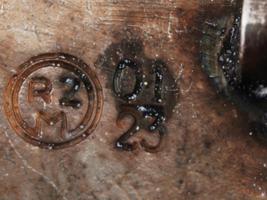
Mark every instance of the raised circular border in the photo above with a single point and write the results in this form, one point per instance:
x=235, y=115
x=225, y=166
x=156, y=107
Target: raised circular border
x=35, y=62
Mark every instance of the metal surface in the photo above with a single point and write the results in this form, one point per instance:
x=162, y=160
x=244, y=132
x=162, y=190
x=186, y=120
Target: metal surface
x=254, y=41
x=46, y=113
x=208, y=153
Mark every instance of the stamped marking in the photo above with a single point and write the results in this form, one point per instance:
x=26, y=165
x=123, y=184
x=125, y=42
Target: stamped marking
x=148, y=113
x=54, y=101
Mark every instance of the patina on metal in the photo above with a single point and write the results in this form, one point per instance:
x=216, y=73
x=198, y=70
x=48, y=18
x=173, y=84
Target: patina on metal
x=54, y=101
x=149, y=112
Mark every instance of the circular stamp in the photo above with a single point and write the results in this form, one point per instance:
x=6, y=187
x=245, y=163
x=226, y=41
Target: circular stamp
x=54, y=101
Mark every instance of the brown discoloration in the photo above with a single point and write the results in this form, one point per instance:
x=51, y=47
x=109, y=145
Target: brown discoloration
x=208, y=152
x=130, y=46
x=32, y=120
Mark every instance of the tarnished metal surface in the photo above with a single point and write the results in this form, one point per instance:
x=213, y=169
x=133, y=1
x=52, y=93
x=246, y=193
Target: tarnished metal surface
x=50, y=90
x=209, y=152
x=254, y=40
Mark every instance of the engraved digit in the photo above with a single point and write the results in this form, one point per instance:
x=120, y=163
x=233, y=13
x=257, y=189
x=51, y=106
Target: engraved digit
x=158, y=68
x=121, y=142
x=68, y=97
x=156, y=113
x=138, y=80
x=154, y=148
